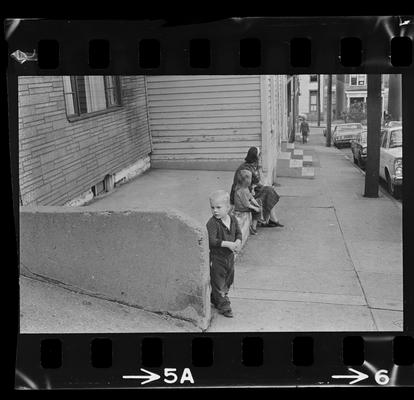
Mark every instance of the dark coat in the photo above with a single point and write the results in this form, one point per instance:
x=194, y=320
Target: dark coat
x=304, y=128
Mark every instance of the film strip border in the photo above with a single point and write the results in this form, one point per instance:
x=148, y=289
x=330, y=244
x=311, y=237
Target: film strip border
x=169, y=360
x=234, y=46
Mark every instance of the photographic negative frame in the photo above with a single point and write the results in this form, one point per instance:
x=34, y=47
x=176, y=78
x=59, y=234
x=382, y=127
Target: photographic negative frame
x=249, y=47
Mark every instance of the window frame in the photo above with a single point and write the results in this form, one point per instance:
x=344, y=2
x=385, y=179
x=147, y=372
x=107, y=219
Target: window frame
x=358, y=78
x=364, y=79
x=350, y=79
x=313, y=93
x=76, y=105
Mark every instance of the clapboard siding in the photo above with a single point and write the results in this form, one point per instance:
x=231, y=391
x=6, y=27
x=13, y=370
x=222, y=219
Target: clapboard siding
x=58, y=159
x=219, y=103
x=204, y=117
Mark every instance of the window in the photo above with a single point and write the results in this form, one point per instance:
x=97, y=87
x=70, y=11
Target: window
x=384, y=139
x=313, y=78
x=313, y=99
x=357, y=80
x=361, y=80
x=90, y=94
x=396, y=138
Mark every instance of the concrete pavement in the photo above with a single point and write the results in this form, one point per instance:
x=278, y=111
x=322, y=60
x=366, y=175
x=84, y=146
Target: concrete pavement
x=336, y=265
x=48, y=308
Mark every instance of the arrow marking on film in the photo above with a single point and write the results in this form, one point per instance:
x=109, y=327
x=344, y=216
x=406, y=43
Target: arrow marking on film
x=359, y=377
x=151, y=376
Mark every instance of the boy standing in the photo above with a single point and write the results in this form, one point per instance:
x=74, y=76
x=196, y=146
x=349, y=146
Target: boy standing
x=225, y=239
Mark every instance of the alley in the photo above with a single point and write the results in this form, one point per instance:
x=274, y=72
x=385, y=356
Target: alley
x=337, y=263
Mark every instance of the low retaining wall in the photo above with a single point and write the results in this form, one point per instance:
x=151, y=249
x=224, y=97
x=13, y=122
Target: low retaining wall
x=156, y=260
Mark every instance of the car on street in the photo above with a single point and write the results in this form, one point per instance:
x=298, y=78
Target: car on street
x=325, y=131
x=359, y=149
x=391, y=124
x=391, y=169
x=344, y=134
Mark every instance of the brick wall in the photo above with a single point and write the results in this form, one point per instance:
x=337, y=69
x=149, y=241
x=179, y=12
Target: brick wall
x=58, y=159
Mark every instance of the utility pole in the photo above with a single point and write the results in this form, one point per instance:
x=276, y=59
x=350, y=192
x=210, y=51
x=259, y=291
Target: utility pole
x=318, y=102
x=329, y=112
x=374, y=112
x=394, y=96
x=293, y=132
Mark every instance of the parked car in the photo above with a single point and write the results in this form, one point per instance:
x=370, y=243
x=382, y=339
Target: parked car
x=325, y=131
x=391, y=124
x=391, y=159
x=344, y=134
x=359, y=149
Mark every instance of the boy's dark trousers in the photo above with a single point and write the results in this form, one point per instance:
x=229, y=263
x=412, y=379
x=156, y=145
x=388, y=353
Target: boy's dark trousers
x=221, y=278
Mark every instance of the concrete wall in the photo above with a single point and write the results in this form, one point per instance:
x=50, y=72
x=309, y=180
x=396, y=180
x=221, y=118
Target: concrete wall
x=155, y=260
x=61, y=159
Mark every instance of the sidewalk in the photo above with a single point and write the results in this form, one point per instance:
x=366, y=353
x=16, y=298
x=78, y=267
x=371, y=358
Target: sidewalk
x=336, y=265
x=49, y=308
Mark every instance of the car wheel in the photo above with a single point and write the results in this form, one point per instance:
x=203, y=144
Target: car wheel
x=390, y=186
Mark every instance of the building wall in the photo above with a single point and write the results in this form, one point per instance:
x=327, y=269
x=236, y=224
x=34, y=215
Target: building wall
x=274, y=123
x=59, y=160
x=209, y=121
x=305, y=86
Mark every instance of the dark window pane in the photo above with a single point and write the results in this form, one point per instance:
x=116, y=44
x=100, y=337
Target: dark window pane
x=81, y=91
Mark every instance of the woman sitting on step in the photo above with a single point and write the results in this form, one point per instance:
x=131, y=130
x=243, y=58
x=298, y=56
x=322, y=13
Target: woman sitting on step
x=267, y=195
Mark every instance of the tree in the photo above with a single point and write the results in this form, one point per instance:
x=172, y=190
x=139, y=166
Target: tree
x=356, y=112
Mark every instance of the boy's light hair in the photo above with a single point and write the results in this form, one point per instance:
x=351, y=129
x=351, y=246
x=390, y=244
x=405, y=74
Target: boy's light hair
x=220, y=195
x=244, y=176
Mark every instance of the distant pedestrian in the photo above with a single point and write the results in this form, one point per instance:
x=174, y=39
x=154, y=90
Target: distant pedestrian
x=244, y=200
x=266, y=194
x=225, y=239
x=304, y=129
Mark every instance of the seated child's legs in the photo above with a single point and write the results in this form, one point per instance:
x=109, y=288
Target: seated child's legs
x=256, y=216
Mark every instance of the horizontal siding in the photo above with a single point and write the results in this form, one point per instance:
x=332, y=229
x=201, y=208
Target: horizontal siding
x=58, y=159
x=204, y=117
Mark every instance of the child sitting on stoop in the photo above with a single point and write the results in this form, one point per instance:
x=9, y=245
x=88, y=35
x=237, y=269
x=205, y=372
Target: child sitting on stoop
x=244, y=200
